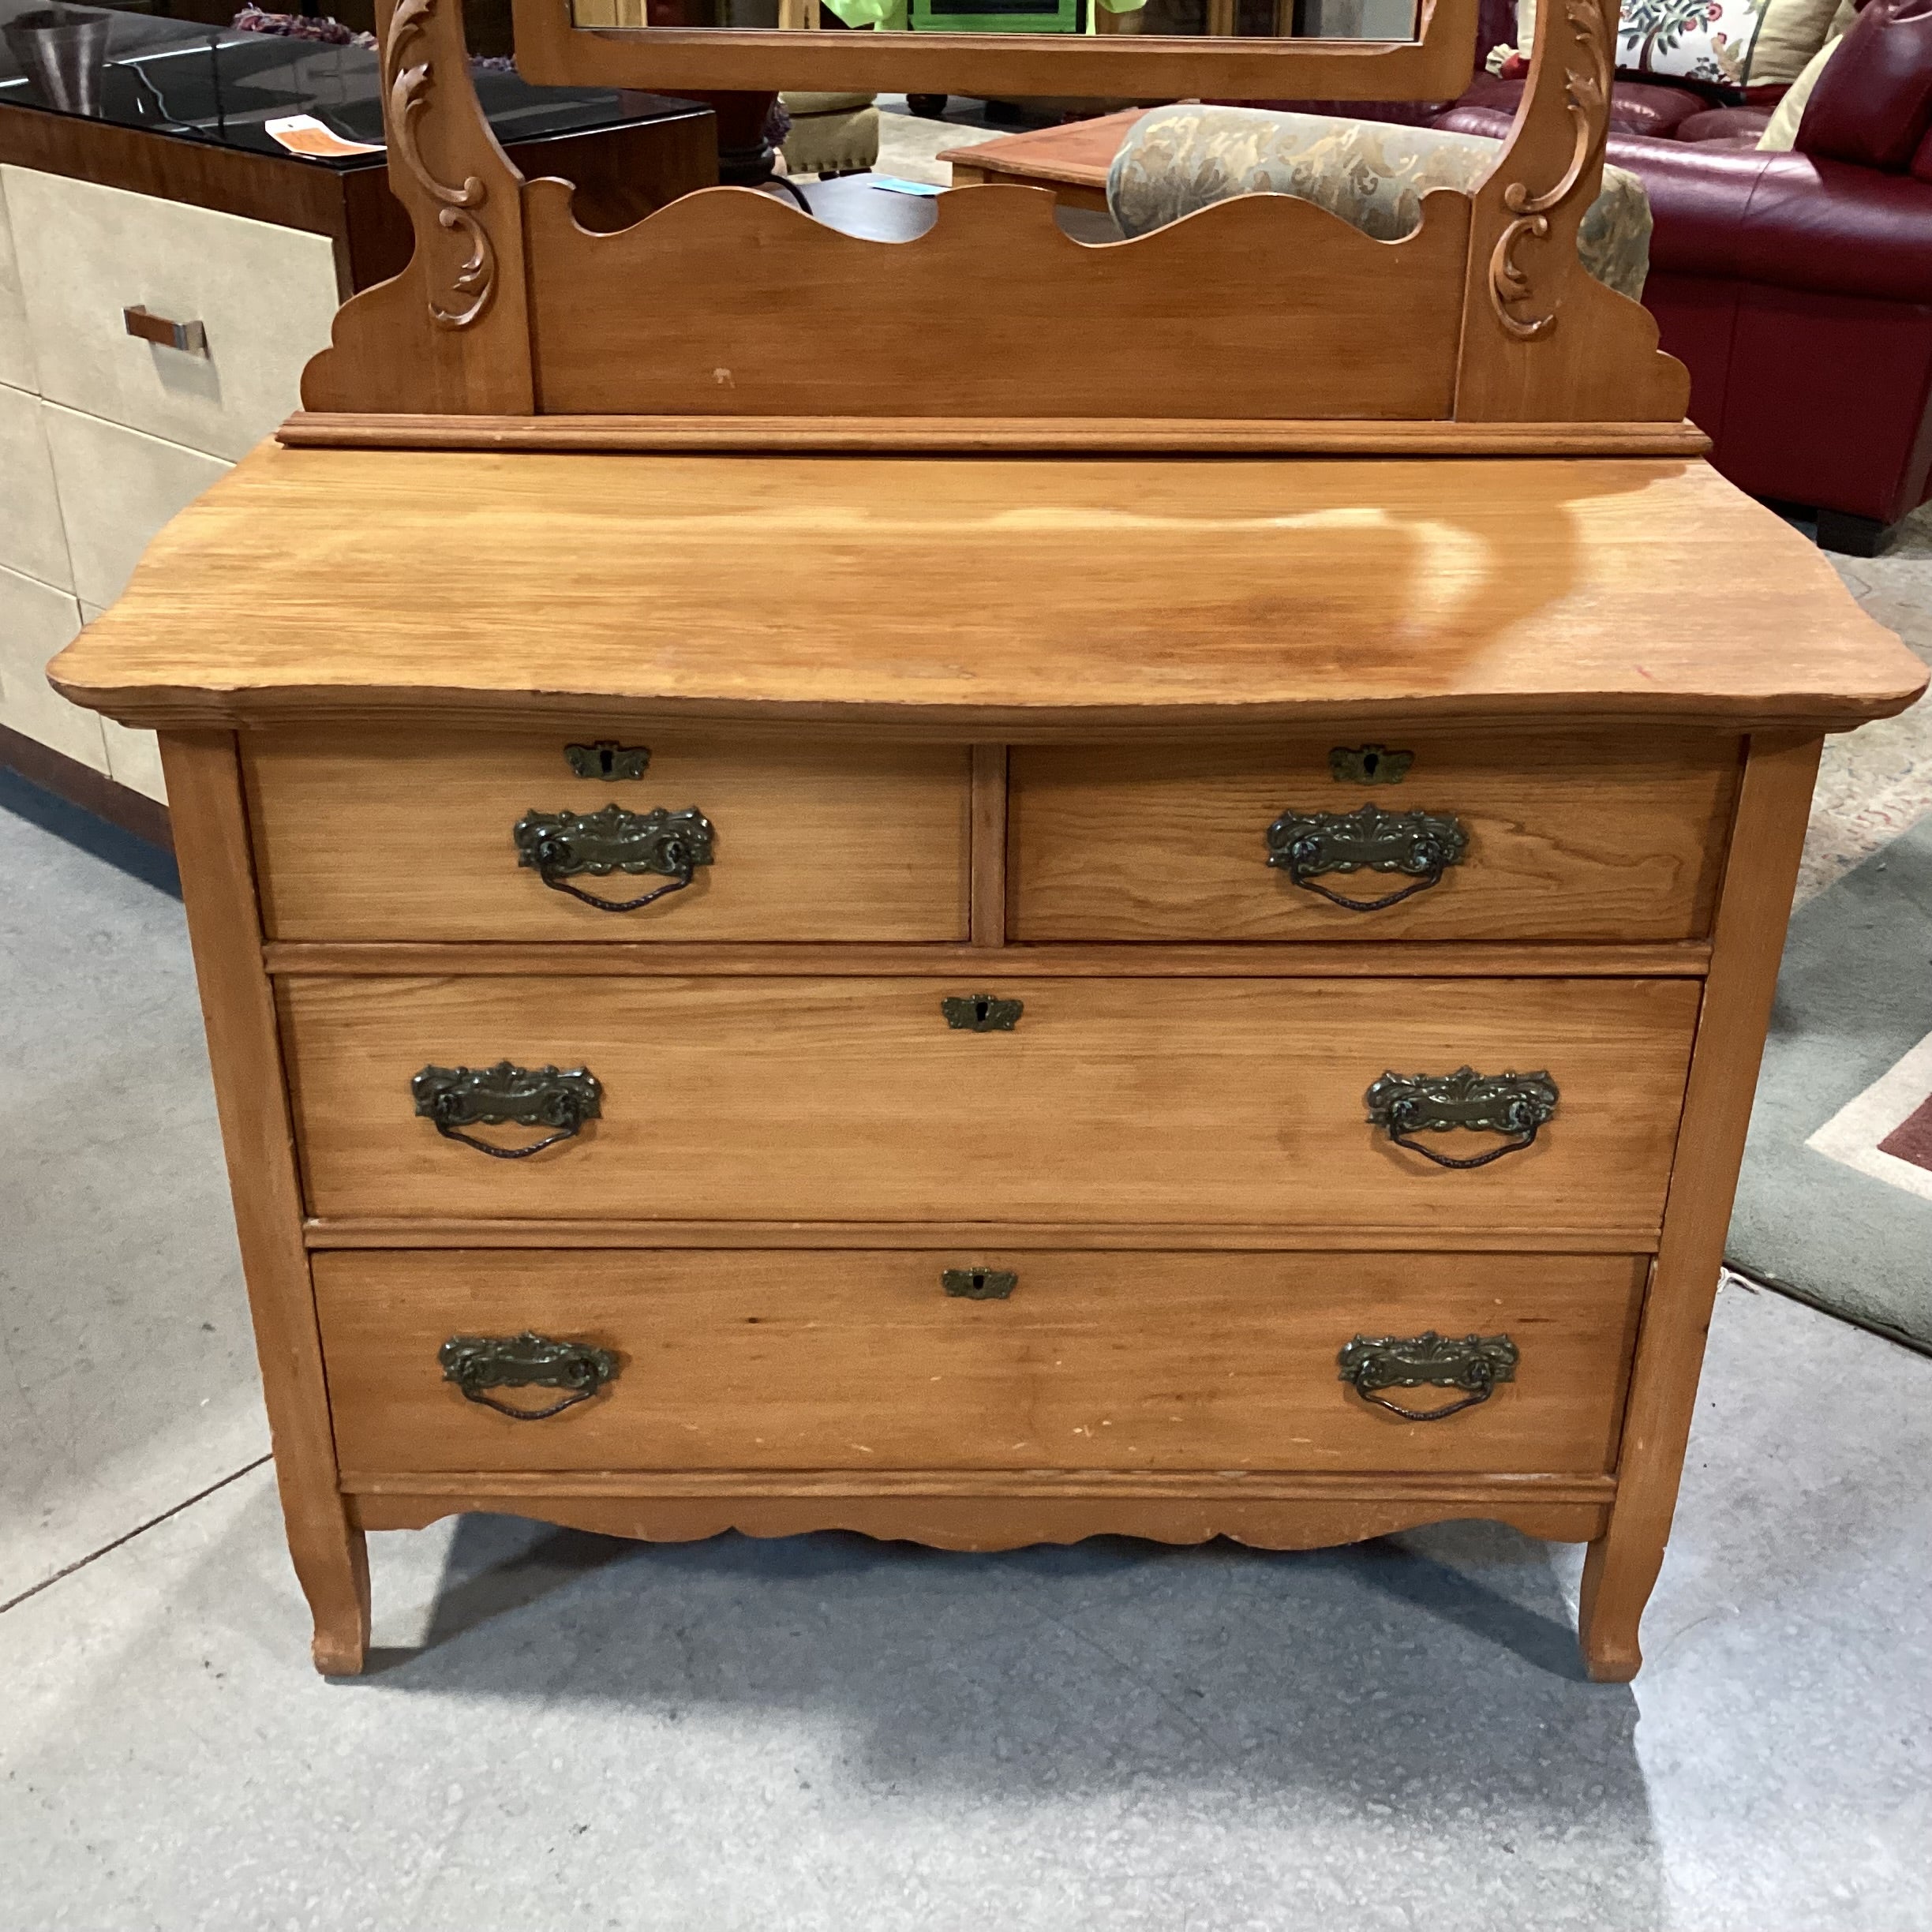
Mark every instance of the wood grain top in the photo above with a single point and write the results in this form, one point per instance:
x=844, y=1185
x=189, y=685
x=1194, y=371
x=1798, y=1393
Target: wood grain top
x=1077, y=151
x=1014, y=597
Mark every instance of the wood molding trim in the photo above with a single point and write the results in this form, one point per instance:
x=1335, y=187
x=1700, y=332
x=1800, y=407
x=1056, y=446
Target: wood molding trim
x=986, y=847
x=1257, y=1486
x=968, y=1523
x=379, y=1231
x=1292, y=960
x=1232, y=437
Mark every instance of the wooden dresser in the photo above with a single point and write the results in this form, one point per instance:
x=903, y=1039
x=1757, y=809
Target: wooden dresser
x=984, y=1000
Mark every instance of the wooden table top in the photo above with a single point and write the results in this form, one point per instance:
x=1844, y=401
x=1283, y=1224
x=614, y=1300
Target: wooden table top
x=1014, y=597
x=1079, y=153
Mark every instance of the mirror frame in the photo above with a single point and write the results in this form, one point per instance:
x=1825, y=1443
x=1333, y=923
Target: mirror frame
x=552, y=50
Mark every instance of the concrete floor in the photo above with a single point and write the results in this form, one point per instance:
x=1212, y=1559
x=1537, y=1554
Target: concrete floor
x=562, y=1731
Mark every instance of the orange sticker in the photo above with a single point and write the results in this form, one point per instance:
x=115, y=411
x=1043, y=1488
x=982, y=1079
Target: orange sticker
x=304, y=134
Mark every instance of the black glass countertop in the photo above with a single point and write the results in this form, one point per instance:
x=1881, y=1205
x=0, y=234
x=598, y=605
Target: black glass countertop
x=216, y=86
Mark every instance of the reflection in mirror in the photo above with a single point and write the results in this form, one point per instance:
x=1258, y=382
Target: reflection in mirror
x=1331, y=20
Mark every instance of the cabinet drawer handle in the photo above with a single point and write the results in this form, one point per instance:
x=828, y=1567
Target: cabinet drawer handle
x=1475, y=1364
x=454, y=1098
x=475, y=1363
x=980, y=1284
x=189, y=338
x=1406, y=1104
x=559, y=845
x=1420, y=845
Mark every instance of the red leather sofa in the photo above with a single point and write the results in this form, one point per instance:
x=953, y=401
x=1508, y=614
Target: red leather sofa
x=1797, y=287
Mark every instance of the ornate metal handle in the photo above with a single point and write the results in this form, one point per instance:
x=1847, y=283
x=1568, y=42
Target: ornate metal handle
x=453, y=1098
x=1406, y=1104
x=475, y=1363
x=980, y=1013
x=1476, y=1364
x=980, y=1284
x=559, y=845
x=1420, y=845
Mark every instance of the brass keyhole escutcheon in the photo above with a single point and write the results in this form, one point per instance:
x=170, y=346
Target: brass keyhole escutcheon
x=980, y=1284
x=1369, y=765
x=981, y=1013
x=604, y=757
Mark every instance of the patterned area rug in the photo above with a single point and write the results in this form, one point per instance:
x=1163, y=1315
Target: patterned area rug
x=1836, y=1202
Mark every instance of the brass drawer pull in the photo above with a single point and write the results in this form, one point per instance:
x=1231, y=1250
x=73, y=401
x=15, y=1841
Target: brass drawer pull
x=1417, y=844
x=1406, y=1104
x=559, y=845
x=453, y=1098
x=980, y=1013
x=475, y=1363
x=1476, y=1364
x=980, y=1284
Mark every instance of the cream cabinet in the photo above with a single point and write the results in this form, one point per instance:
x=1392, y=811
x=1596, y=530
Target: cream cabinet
x=105, y=435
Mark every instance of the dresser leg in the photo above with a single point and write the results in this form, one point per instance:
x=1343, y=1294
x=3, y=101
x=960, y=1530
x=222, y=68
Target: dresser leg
x=212, y=844
x=333, y=1571
x=1619, y=1574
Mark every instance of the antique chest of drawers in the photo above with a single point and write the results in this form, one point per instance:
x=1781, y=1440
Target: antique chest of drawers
x=984, y=1002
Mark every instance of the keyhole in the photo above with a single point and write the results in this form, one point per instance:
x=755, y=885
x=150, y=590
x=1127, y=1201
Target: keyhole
x=978, y=1277
x=607, y=759
x=1372, y=760
x=981, y=1008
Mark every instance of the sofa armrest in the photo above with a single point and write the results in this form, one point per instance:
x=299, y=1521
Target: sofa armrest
x=1783, y=220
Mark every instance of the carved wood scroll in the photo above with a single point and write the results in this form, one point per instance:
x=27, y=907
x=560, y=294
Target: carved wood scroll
x=1542, y=341
x=451, y=333
x=728, y=307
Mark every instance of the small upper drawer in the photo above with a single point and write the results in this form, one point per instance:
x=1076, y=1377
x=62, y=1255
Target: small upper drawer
x=370, y=835
x=1525, y=836
x=264, y=298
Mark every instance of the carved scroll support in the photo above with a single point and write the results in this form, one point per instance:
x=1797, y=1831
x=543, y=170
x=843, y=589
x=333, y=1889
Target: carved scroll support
x=451, y=333
x=1541, y=339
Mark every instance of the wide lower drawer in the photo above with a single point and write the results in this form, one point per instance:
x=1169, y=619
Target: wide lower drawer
x=1529, y=836
x=1141, y=1101
x=844, y=1361
x=373, y=835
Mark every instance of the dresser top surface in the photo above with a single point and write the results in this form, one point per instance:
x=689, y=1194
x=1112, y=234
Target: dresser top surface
x=1020, y=594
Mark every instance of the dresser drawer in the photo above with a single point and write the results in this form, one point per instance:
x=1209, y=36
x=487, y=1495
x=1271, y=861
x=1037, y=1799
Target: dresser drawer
x=829, y=1360
x=1544, y=837
x=1150, y=1101
x=365, y=835
x=264, y=296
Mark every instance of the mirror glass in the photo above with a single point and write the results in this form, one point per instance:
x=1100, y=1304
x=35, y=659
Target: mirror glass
x=1247, y=20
